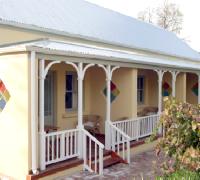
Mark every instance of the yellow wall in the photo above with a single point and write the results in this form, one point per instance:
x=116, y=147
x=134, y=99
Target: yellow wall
x=10, y=35
x=14, y=119
x=192, y=79
x=66, y=119
x=181, y=87
x=125, y=105
x=150, y=88
x=94, y=100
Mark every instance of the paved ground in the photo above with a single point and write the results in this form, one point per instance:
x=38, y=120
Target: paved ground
x=142, y=165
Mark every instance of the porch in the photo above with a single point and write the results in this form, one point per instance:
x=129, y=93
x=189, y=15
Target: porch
x=68, y=139
x=87, y=86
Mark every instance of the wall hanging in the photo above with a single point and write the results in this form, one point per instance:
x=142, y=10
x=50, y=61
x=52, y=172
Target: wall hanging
x=166, y=89
x=195, y=89
x=4, y=95
x=114, y=92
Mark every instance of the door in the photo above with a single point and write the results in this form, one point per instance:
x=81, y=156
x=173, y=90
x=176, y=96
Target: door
x=49, y=98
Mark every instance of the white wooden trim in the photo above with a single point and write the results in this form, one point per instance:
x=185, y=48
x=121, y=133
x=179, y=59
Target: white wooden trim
x=109, y=72
x=160, y=73
x=33, y=115
x=41, y=114
x=174, y=75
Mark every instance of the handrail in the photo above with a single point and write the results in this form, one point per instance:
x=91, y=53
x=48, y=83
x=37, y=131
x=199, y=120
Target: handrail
x=60, y=132
x=135, y=119
x=138, y=127
x=120, y=142
x=92, y=147
x=93, y=138
x=120, y=131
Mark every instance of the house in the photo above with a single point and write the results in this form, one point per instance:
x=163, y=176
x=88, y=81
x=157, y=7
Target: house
x=63, y=60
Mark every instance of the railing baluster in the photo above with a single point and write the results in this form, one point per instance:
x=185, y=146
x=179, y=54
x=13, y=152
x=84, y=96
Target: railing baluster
x=67, y=144
x=118, y=142
x=123, y=144
x=53, y=148
x=90, y=156
x=48, y=148
x=100, y=161
x=75, y=143
x=57, y=144
x=62, y=145
x=128, y=151
x=71, y=143
x=84, y=151
x=95, y=156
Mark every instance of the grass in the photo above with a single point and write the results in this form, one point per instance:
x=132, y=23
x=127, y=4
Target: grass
x=181, y=175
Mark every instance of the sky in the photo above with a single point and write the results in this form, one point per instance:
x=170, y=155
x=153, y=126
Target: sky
x=189, y=8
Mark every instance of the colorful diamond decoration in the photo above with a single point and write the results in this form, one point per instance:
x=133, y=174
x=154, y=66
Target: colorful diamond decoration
x=4, y=95
x=195, y=89
x=114, y=92
x=166, y=89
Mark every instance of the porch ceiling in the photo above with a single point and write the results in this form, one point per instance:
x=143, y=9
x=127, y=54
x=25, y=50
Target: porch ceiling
x=47, y=46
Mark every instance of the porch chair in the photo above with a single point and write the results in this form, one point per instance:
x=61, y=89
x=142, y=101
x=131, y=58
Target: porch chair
x=92, y=123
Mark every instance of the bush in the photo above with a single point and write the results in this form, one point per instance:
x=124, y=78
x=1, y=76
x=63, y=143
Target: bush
x=181, y=140
x=181, y=175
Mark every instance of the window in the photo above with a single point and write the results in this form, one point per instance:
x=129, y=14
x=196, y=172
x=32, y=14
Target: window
x=140, y=89
x=71, y=92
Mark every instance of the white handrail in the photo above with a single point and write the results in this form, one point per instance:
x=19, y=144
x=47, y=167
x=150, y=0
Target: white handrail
x=93, y=138
x=120, y=140
x=120, y=131
x=92, y=147
x=135, y=119
x=138, y=127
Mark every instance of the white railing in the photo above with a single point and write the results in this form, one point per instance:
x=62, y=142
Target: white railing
x=92, y=153
x=120, y=142
x=61, y=145
x=138, y=127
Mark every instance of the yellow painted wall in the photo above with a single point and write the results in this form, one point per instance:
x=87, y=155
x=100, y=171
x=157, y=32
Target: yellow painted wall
x=94, y=100
x=66, y=119
x=181, y=87
x=125, y=105
x=150, y=88
x=192, y=79
x=10, y=35
x=15, y=118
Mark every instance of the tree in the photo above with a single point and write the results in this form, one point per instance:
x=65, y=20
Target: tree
x=168, y=16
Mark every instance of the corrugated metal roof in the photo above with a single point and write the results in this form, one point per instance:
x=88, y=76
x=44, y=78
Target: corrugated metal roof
x=61, y=48
x=79, y=18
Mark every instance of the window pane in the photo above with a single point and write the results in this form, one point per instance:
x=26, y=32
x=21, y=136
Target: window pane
x=68, y=100
x=69, y=80
x=141, y=83
x=141, y=96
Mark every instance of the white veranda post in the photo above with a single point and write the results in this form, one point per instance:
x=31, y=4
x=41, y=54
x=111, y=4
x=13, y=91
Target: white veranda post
x=174, y=75
x=42, y=75
x=109, y=72
x=160, y=73
x=80, y=69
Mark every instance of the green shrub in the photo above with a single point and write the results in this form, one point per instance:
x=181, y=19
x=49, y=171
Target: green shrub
x=181, y=175
x=181, y=140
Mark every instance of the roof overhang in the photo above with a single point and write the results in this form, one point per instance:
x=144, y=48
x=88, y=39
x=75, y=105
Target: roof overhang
x=77, y=50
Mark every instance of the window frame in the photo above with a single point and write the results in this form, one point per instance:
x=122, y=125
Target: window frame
x=74, y=91
x=141, y=90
